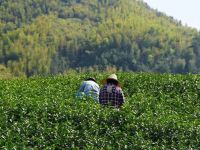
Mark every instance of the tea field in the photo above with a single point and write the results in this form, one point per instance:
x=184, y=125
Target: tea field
x=162, y=111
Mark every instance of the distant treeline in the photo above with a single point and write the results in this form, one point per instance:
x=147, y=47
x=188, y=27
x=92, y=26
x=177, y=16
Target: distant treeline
x=53, y=36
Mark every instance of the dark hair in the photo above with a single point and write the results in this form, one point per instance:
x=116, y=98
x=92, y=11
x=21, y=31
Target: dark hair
x=111, y=81
x=91, y=79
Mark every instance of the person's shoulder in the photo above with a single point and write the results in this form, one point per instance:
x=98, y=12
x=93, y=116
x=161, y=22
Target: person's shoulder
x=95, y=83
x=87, y=82
x=104, y=87
x=91, y=83
x=118, y=88
x=84, y=82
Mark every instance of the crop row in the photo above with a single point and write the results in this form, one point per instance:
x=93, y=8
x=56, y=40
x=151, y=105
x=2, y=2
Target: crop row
x=160, y=112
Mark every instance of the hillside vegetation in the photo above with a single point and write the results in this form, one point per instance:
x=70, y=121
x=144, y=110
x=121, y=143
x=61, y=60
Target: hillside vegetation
x=160, y=112
x=52, y=36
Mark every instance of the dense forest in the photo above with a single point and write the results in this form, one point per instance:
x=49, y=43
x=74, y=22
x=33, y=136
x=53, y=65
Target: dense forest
x=53, y=36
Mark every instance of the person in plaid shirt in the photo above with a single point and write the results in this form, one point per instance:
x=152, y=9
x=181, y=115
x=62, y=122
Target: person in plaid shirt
x=111, y=93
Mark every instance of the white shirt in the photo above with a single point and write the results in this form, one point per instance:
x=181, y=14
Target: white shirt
x=90, y=88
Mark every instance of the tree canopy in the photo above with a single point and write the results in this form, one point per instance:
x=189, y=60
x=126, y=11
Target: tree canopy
x=52, y=36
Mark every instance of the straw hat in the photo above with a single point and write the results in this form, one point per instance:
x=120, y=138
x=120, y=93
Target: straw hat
x=113, y=77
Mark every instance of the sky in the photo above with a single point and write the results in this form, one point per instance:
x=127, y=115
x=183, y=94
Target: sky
x=188, y=11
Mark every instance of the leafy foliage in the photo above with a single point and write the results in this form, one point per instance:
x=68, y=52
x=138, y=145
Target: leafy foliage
x=5, y=73
x=161, y=112
x=52, y=36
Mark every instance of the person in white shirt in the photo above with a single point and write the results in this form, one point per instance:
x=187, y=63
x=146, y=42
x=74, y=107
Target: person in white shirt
x=89, y=88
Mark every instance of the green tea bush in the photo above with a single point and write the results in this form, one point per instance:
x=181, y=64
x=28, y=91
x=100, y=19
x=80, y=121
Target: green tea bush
x=162, y=111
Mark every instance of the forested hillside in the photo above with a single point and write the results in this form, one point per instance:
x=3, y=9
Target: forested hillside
x=53, y=36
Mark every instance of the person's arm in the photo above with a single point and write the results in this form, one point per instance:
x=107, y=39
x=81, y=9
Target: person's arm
x=121, y=98
x=82, y=87
x=102, y=98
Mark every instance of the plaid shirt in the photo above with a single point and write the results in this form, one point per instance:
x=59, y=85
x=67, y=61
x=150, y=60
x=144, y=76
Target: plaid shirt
x=111, y=95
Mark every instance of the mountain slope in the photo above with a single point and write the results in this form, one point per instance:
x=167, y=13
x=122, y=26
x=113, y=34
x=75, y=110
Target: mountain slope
x=41, y=37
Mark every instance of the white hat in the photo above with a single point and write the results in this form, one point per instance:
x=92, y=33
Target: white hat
x=113, y=77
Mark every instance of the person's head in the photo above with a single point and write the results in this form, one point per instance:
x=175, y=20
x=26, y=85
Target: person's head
x=91, y=79
x=112, y=79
